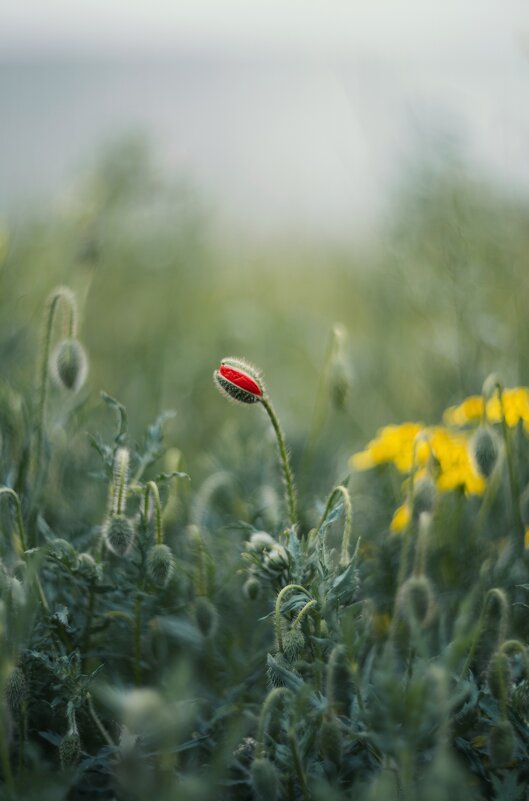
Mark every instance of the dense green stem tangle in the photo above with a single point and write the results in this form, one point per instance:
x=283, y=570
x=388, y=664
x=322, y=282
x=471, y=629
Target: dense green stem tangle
x=272, y=701
x=21, y=543
x=348, y=515
x=503, y=621
x=493, y=384
x=288, y=476
x=277, y=616
x=151, y=490
x=66, y=296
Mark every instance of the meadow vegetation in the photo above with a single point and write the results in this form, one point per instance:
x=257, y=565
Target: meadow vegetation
x=317, y=592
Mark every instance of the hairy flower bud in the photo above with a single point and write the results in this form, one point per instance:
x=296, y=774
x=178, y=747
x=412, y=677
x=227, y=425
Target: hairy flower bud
x=70, y=749
x=499, y=676
x=520, y=700
x=485, y=450
x=16, y=690
x=160, y=565
x=88, y=568
x=293, y=643
x=239, y=381
x=265, y=781
x=118, y=533
x=252, y=588
x=206, y=616
x=69, y=364
x=424, y=495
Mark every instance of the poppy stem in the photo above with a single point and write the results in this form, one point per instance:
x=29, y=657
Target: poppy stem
x=288, y=476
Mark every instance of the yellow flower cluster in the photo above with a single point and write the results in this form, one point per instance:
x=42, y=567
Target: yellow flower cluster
x=515, y=405
x=450, y=449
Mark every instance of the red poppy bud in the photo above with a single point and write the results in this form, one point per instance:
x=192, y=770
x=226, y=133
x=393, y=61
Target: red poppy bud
x=239, y=381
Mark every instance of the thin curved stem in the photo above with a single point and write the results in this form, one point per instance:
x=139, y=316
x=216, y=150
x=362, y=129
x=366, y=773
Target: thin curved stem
x=500, y=596
x=56, y=296
x=288, y=476
x=277, y=615
x=271, y=701
x=151, y=489
x=306, y=609
x=348, y=515
x=20, y=522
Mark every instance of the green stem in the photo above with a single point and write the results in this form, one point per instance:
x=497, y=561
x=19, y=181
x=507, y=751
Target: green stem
x=88, y=622
x=298, y=767
x=292, y=503
x=56, y=297
x=137, y=640
x=20, y=522
x=318, y=415
x=306, y=609
x=513, y=481
x=500, y=596
x=23, y=731
x=120, y=486
x=348, y=515
x=95, y=717
x=4, y=755
x=271, y=701
x=277, y=616
x=151, y=489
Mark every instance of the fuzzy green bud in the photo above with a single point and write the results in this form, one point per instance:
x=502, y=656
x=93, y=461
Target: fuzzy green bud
x=118, y=533
x=424, y=495
x=485, y=450
x=501, y=743
x=293, y=643
x=265, y=781
x=252, y=588
x=206, y=616
x=16, y=690
x=70, y=749
x=499, y=676
x=69, y=364
x=63, y=551
x=160, y=565
x=416, y=601
x=88, y=568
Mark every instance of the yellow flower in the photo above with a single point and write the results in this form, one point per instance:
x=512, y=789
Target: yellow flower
x=392, y=444
x=526, y=537
x=467, y=412
x=456, y=468
x=515, y=404
x=400, y=519
x=453, y=464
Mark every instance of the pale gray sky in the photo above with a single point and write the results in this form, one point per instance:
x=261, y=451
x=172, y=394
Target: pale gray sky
x=297, y=115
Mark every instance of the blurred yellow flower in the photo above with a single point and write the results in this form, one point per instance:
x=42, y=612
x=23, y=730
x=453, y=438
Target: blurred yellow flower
x=453, y=466
x=515, y=403
x=467, y=412
x=392, y=444
x=400, y=519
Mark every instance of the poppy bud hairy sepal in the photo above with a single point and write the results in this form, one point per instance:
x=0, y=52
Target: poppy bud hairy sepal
x=239, y=381
x=118, y=533
x=160, y=565
x=69, y=364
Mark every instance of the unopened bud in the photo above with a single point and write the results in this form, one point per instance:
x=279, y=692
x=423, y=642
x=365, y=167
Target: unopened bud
x=118, y=533
x=501, y=743
x=265, y=781
x=206, y=616
x=239, y=381
x=160, y=565
x=70, y=749
x=69, y=364
x=252, y=588
x=16, y=690
x=485, y=450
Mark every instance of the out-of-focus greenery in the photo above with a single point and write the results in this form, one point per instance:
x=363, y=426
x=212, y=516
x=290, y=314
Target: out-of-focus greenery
x=386, y=686
x=431, y=307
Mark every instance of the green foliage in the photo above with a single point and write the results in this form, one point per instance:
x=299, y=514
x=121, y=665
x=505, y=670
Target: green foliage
x=217, y=649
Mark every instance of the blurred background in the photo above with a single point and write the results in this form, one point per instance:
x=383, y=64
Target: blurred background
x=229, y=178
